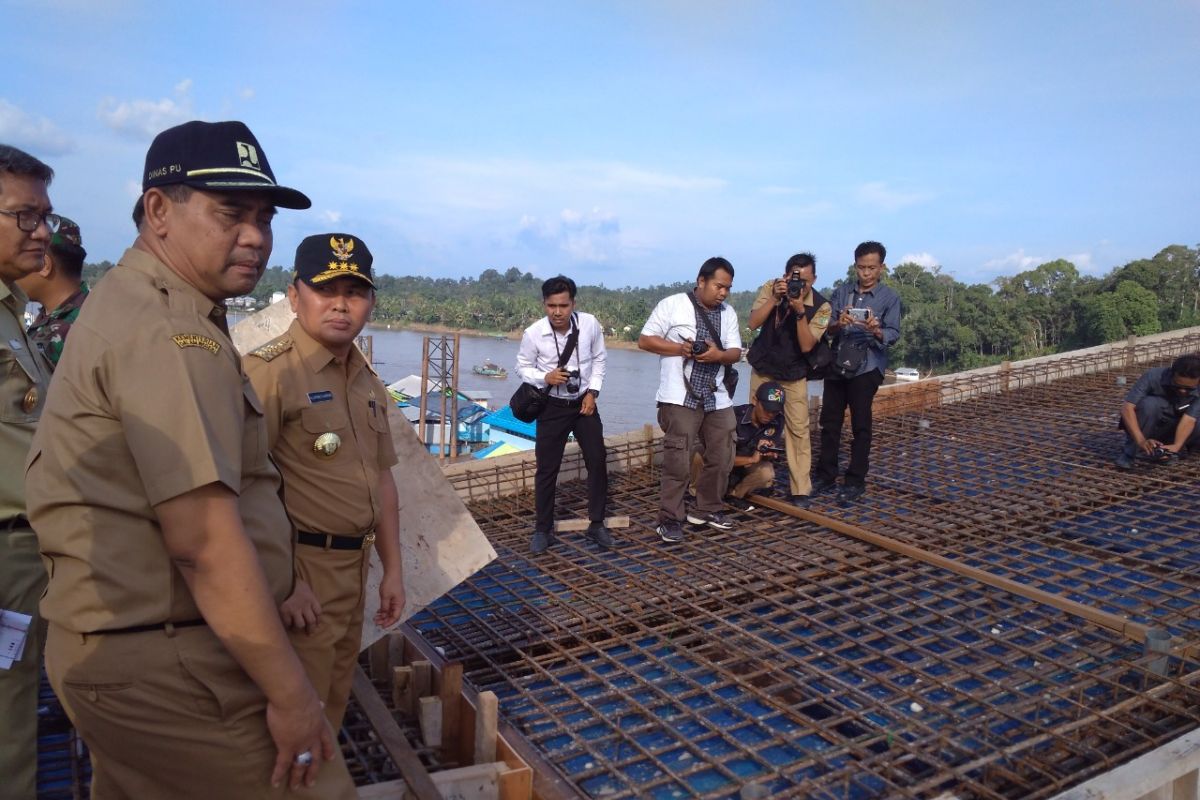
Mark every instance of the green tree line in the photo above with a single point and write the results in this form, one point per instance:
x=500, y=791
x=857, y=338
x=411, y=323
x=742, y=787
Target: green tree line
x=947, y=325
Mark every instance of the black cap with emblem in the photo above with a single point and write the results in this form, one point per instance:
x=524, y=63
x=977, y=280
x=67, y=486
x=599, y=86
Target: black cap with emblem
x=327, y=256
x=216, y=157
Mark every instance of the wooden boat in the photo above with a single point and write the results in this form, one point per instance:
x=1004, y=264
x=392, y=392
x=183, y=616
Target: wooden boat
x=490, y=370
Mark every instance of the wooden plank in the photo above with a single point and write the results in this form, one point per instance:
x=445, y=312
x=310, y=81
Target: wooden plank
x=450, y=693
x=422, y=678
x=532, y=774
x=568, y=525
x=388, y=790
x=476, y=782
x=395, y=649
x=516, y=784
x=402, y=695
x=1171, y=763
x=485, y=728
x=429, y=715
x=378, y=660
x=392, y=739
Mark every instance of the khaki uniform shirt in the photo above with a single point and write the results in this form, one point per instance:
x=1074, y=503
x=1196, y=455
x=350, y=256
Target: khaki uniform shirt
x=306, y=394
x=24, y=376
x=148, y=404
x=816, y=325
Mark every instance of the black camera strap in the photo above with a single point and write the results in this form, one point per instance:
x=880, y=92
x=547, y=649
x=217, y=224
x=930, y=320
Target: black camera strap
x=569, y=347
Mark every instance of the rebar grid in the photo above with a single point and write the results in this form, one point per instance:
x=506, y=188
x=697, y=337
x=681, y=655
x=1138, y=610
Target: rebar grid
x=820, y=666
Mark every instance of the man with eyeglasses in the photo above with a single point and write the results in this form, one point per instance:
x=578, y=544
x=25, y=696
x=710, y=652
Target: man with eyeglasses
x=26, y=225
x=866, y=318
x=158, y=509
x=1159, y=414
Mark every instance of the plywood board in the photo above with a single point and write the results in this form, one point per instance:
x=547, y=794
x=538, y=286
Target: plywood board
x=440, y=542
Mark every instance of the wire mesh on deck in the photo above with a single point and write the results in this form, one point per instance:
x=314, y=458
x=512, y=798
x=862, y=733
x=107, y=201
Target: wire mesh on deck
x=785, y=655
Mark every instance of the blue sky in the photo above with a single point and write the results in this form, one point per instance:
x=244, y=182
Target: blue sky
x=624, y=142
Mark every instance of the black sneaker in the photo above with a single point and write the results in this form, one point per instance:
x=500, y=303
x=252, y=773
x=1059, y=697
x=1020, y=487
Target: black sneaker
x=540, y=542
x=740, y=503
x=1123, y=461
x=801, y=500
x=600, y=535
x=821, y=486
x=850, y=493
x=714, y=519
x=670, y=532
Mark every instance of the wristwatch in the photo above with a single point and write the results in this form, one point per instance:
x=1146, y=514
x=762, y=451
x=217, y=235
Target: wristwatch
x=595, y=393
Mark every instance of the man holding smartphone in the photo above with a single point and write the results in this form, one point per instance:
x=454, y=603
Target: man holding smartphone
x=866, y=316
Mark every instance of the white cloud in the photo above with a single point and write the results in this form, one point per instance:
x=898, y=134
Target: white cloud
x=331, y=216
x=22, y=129
x=1015, y=262
x=142, y=119
x=780, y=190
x=879, y=195
x=246, y=93
x=592, y=237
x=1082, y=261
x=926, y=260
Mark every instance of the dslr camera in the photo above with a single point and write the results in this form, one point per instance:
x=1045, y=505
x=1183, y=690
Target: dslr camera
x=572, y=384
x=859, y=314
x=796, y=285
x=699, y=348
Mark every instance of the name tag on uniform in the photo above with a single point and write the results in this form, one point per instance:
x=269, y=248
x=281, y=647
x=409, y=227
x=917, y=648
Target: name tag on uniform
x=15, y=344
x=319, y=397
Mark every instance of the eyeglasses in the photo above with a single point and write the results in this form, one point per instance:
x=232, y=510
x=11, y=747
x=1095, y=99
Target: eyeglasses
x=28, y=221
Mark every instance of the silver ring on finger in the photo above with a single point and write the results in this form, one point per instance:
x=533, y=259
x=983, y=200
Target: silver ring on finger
x=303, y=759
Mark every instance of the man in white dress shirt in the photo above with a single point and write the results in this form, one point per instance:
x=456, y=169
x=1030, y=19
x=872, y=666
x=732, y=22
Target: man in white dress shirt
x=571, y=405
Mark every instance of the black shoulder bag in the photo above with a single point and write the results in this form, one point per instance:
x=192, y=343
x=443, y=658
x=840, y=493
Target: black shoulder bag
x=528, y=401
x=730, y=378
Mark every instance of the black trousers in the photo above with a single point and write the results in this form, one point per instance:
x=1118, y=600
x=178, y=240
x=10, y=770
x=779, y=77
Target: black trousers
x=554, y=425
x=857, y=393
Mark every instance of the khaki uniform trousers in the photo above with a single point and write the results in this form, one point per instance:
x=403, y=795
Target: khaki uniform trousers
x=329, y=654
x=796, y=440
x=170, y=714
x=753, y=478
x=22, y=581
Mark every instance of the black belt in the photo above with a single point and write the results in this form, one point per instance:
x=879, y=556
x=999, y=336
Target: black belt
x=14, y=523
x=158, y=626
x=565, y=402
x=334, y=542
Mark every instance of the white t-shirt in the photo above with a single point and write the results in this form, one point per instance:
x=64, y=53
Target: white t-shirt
x=674, y=319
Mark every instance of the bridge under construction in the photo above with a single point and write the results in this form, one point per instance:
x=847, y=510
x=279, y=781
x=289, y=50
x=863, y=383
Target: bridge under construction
x=1004, y=615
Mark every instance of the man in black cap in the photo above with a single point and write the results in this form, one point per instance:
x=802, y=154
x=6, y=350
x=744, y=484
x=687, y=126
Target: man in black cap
x=157, y=506
x=327, y=429
x=59, y=288
x=758, y=445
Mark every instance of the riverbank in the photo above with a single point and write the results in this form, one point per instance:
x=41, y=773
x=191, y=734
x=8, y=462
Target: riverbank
x=417, y=327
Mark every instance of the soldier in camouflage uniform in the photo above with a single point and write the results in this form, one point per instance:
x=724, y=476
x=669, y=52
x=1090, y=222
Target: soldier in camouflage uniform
x=60, y=289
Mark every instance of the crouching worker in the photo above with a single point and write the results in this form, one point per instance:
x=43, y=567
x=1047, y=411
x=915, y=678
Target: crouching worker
x=758, y=446
x=327, y=429
x=1159, y=413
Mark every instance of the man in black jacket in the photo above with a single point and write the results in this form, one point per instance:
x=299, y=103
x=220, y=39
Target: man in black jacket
x=792, y=317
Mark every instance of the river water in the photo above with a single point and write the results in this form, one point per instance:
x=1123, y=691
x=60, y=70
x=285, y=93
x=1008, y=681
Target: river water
x=626, y=402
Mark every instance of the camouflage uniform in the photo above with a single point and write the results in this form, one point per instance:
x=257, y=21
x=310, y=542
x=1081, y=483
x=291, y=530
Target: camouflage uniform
x=49, y=330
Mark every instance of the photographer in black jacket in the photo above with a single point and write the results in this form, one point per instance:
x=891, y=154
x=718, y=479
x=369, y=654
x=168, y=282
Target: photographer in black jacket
x=792, y=317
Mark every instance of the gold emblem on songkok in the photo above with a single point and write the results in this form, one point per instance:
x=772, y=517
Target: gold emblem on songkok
x=30, y=401
x=343, y=251
x=327, y=444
